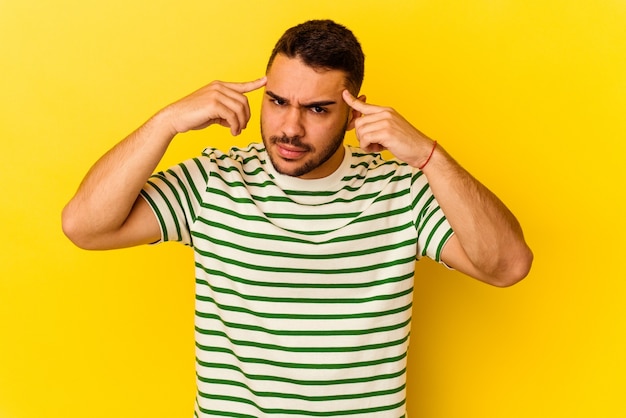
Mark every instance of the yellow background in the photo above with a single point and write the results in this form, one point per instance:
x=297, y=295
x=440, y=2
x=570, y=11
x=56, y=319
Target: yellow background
x=530, y=96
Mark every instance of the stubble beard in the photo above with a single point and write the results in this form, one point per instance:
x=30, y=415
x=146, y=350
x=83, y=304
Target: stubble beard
x=315, y=160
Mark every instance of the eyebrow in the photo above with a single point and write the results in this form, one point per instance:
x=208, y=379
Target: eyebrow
x=320, y=103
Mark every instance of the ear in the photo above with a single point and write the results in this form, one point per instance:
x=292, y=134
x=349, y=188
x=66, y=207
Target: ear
x=354, y=114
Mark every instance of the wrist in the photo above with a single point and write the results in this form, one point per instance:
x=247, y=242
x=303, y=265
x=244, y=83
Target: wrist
x=428, y=157
x=163, y=122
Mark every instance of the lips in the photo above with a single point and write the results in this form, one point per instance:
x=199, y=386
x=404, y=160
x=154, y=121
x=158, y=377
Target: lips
x=289, y=152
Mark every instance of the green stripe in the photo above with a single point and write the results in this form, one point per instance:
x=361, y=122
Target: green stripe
x=274, y=347
x=295, y=270
x=176, y=191
x=192, y=185
x=313, y=216
x=378, y=216
x=246, y=185
x=425, y=208
x=432, y=234
x=347, y=187
x=298, y=300
x=158, y=213
x=239, y=169
x=370, y=233
x=360, y=315
x=303, y=412
x=424, y=222
x=201, y=169
x=254, y=218
x=391, y=196
x=215, y=208
x=442, y=244
x=249, y=250
x=305, y=333
x=301, y=285
x=418, y=197
x=309, y=366
x=338, y=382
x=325, y=398
x=212, y=412
x=416, y=176
x=171, y=209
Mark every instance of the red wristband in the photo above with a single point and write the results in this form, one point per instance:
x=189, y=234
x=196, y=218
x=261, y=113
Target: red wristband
x=432, y=151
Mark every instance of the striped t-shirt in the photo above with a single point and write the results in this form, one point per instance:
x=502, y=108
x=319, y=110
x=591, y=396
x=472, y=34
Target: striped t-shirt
x=303, y=287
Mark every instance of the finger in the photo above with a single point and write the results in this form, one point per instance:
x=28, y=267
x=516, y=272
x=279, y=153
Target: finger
x=236, y=114
x=247, y=86
x=367, y=137
x=238, y=104
x=359, y=105
x=374, y=129
x=224, y=107
x=234, y=101
x=236, y=92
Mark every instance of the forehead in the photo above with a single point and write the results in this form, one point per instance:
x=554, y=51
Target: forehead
x=292, y=79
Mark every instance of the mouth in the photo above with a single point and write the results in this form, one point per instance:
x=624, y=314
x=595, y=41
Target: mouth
x=289, y=148
x=290, y=152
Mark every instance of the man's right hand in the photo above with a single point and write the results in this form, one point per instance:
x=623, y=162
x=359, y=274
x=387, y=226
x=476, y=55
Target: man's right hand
x=107, y=212
x=218, y=102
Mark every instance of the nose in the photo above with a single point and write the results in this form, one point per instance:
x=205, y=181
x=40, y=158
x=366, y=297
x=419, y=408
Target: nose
x=292, y=122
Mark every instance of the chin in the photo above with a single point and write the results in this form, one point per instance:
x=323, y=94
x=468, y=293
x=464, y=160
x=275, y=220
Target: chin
x=292, y=171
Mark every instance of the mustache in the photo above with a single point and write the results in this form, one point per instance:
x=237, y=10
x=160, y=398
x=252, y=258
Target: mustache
x=294, y=141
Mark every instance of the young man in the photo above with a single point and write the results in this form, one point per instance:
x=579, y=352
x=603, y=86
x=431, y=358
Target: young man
x=304, y=248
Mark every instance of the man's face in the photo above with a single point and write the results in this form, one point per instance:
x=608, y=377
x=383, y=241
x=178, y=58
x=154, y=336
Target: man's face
x=304, y=118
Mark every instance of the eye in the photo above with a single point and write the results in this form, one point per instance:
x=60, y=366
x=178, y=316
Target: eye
x=318, y=109
x=278, y=102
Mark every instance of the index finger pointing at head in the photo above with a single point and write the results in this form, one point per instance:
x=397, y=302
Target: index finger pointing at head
x=359, y=105
x=248, y=86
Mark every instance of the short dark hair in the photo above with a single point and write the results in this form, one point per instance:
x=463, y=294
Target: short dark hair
x=327, y=45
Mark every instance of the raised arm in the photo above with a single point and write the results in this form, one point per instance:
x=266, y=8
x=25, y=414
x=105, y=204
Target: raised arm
x=106, y=212
x=488, y=243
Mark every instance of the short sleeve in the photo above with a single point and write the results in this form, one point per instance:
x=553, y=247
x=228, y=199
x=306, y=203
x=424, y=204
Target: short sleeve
x=175, y=196
x=433, y=229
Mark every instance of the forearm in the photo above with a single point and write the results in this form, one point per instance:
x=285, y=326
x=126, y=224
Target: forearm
x=488, y=233
x=106, y=211
x=108, y=192
x=488, y=243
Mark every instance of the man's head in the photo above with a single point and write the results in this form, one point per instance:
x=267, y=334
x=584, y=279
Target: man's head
x=324, y=44
x=303, y=116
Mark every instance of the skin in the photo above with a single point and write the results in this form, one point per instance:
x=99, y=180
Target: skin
x=304, y=118
x=107, y=212
x=488, y=243
x=305, y=113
